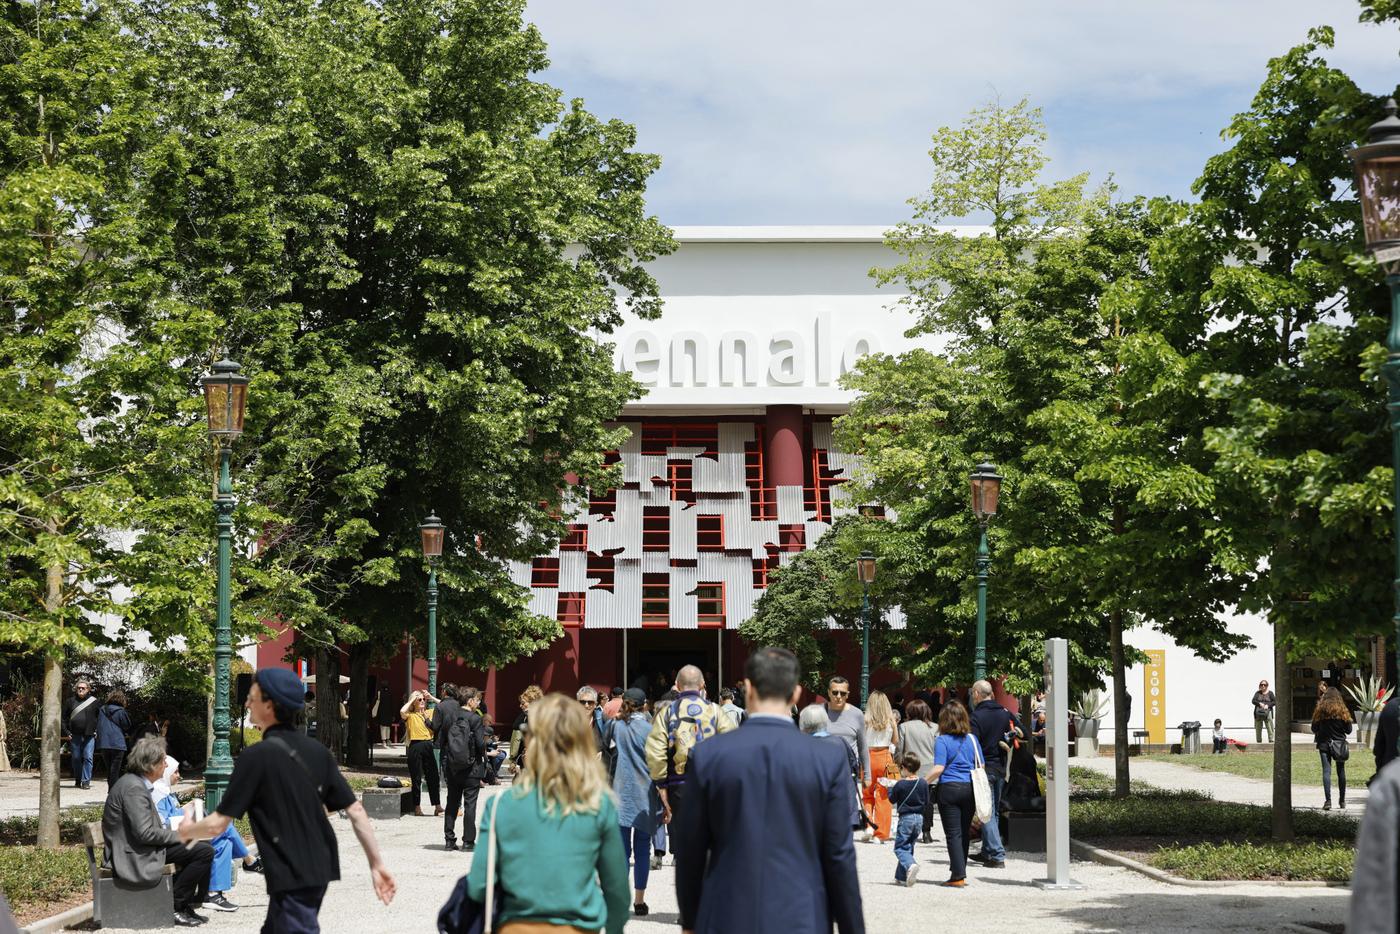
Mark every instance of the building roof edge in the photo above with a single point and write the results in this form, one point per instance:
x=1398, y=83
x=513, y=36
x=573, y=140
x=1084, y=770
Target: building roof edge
x=816, y=233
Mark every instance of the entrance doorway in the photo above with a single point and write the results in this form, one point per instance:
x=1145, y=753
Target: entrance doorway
x=655, y=655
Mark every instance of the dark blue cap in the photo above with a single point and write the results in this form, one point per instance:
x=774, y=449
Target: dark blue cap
x=282, y=687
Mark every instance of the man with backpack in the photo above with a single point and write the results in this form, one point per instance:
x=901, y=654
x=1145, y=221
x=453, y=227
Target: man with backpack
x=991, y=724
x=677, y=728
x=463, y=761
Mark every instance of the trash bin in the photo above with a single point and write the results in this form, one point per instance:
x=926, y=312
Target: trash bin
x=1190, y=737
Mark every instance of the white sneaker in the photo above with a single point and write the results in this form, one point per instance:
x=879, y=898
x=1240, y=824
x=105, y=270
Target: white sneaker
x=867, y=835
x=910, y=875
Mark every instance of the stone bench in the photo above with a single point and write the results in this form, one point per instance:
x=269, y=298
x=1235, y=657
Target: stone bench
x=386, y=803
x=1024, y=832
x=119, y=904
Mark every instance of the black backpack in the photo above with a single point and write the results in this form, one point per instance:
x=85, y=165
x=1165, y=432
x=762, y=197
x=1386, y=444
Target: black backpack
x=462, y=752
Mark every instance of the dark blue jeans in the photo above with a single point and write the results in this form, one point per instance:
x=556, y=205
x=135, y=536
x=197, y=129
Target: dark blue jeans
x=81, y=749
x=955, y=808
x=636, y=846
x=294, y=912
x=1327, y=761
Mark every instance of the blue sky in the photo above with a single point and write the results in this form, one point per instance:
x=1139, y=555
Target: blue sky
x=817, y=112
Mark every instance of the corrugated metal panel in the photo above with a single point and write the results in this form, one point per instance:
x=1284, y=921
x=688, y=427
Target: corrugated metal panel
x=655, y=562
x=742, y=600
x=544, y=601
x=603, y=534
x=628, y=534
x=726, y=475
x=765, y=533
x=790, y=509
x=684, y=613
x=519, y=572
x=628, y=588
x=645, y=469
x=815, y=530
x=841, y=502
x=573, y=571
x=738, y=531
x=603, y=610
x=821, y=435
x=894, y=618
x=683, y=453
x=683, y=530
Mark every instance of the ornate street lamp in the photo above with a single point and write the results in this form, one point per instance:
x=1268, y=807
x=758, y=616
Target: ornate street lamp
x=986, y=491
x=432, y=531
x=225, y=396
x=1378, y=186
x=865, y=573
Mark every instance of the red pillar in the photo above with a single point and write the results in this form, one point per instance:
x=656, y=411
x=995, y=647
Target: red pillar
x=784, y=461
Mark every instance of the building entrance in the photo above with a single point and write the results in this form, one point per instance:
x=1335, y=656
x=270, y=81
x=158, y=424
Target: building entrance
x=654, y=657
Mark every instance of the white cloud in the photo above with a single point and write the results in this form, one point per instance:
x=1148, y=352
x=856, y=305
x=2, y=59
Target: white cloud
x=808, y=112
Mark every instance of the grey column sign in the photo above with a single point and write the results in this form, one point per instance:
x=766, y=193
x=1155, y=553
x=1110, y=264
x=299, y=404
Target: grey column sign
x=1057, y=767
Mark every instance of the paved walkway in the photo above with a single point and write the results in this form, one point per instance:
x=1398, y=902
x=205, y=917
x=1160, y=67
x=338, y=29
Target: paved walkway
x=19, y=794
x=1115, y=900
x=1223, y=786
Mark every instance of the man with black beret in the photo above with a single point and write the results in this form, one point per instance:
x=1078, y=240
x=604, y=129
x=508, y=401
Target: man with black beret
x=286, y=784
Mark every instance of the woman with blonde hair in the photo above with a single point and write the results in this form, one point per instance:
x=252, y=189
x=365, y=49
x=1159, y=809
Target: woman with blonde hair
x=519, y=731
x=1331, y=725
x=881, y=737
x=559, y=859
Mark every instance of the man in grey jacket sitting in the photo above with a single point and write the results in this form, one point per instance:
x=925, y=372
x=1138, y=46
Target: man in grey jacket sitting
x=137, y=842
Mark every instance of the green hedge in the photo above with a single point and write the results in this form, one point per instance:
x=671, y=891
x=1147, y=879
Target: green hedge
x=1329, y=861
x=31, y=876
x=1192, y=815
x=23, y=831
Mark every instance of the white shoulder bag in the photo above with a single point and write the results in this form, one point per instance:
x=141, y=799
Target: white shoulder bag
x=981, y=788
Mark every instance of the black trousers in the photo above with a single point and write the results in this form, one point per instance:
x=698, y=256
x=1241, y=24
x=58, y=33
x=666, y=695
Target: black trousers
x=114, y=759
x=422, y=766
x=955, y=807
x=191, y=882
x=930, y=804
x=462, y=791
x=294, y=912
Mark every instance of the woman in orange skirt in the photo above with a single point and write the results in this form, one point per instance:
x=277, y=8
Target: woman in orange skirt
x=881, y=737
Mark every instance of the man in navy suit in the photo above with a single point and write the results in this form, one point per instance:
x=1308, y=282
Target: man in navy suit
x=764, y=842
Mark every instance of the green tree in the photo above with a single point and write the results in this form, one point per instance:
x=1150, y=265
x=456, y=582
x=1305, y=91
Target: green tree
x=816, y=595
x=414, y=247
x=1273, y=253
x=1084, y=396
x=77, y=121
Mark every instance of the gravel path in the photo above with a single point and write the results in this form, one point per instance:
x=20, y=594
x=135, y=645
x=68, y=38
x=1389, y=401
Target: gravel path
x=1115, y=900
x=1224, y=786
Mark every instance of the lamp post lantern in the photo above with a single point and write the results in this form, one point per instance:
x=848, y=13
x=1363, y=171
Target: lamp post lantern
x=986, y=491
x=865, y=572
x=432, y=531
x=1377, y=164
x=225, y=396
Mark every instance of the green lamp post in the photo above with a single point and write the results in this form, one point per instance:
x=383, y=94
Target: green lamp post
x=865, y=573
x=225, y=395
x=986, y=491
x=1377, y=165
x=432, y=531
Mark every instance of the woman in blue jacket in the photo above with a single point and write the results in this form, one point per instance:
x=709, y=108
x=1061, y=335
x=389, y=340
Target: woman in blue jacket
x=113, y=725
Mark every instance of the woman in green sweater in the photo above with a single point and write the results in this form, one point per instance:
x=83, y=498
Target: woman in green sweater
x=559, y=860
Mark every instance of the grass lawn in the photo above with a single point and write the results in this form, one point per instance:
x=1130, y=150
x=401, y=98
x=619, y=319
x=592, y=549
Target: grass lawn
x=1192, y=835
x=1307, y=767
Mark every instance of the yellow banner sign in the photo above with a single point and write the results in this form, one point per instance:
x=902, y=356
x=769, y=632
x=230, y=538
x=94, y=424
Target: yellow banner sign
x=1154, y=692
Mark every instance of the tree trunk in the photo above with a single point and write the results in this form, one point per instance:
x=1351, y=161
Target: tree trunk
x=1121, y=782
x=51, y=712
x=1283, y=740
x=357, y=745
x=328, y=699
x=51, y=717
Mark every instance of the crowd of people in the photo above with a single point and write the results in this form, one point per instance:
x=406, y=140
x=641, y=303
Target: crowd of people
x=600, y=785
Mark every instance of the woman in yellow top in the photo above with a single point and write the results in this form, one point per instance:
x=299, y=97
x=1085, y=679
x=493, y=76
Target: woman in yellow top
x=421, y=763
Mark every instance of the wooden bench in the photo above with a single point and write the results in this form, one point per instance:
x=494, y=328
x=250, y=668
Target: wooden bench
x=119, y=904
